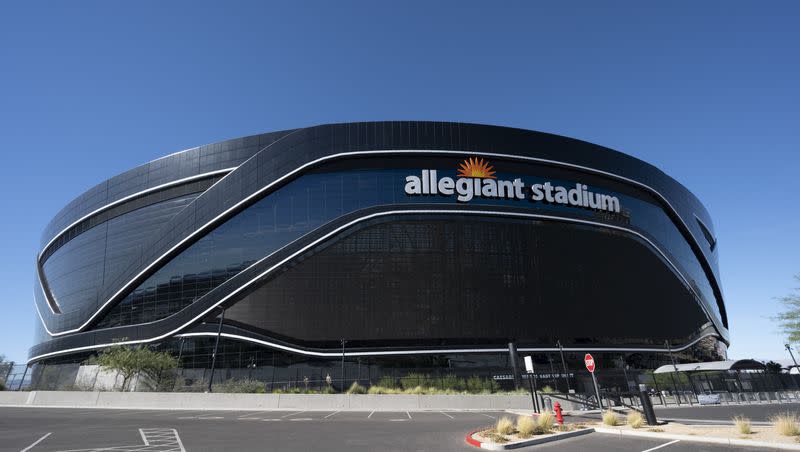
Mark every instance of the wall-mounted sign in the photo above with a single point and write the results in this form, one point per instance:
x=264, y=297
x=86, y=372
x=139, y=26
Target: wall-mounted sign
x=477, y=178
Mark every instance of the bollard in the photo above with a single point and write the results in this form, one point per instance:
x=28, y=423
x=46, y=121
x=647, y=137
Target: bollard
x=559, y=416
x=647, y=406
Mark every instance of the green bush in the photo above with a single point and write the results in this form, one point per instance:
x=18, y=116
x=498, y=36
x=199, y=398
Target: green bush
x=356, y=388
x=452, y=382
x=387, y=382
x=548, y=390
x=2, y=386
x=477, y=385
x=246, y=385
x=411, y=381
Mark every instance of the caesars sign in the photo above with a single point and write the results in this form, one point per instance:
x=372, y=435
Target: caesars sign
x=476, y=178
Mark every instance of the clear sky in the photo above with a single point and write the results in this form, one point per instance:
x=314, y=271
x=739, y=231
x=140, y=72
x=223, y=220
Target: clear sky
x=707, y=91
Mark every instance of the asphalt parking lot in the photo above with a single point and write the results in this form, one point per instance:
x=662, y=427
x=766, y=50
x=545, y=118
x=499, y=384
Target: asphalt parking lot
x=64, y=429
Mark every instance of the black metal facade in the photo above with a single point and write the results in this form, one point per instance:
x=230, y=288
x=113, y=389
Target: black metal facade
x=307, y=237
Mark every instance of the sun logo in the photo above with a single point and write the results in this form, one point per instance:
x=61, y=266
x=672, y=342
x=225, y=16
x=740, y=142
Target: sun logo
x=476, y=168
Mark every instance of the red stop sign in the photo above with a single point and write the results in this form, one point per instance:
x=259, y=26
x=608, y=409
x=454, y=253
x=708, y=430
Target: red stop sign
x=589, y=361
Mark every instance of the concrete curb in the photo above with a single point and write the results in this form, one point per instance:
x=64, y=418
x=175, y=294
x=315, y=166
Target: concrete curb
x=696, y=439
x=527, y=442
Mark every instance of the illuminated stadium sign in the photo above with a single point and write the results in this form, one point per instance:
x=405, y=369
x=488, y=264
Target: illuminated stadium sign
x=477, y=178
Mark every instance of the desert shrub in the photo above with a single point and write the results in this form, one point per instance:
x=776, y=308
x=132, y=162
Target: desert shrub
x=742, y=425
x=382, y=390
x=327, y=390
x=544, y=422
x=182, y=384
x=786, y=424
x=635, y=419
x=387, y=382
x=244, y=386
x=548, y=390
x=477, y=385
x=495, y=437
x=450, y=381
x=526, y=426
x=610, y=418
x=504, y=426
x=413, y=380
x=356, y=388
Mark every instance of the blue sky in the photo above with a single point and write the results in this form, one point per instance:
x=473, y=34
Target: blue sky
x=706, y=91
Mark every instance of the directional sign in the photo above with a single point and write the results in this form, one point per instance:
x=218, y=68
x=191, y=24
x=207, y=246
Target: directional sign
x=528, y=364
x=589, y=361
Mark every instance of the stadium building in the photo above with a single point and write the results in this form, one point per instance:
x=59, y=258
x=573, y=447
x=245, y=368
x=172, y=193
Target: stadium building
x=384, y=246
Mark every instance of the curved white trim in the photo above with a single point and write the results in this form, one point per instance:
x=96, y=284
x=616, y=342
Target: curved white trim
x=132, y=196
x=337, y=354
x=290, y=174
x=36, y=305
x=47, y=298
x=110, y=205
x=364, y=218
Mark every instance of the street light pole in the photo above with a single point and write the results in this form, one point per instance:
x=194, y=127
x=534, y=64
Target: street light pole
x=789, y=349
x=564, y=365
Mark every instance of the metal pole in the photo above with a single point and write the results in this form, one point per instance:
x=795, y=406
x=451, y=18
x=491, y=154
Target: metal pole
x=552, y=372
x=512, y=356
x=789, y=349
x=625, y=372
x=343, y=342
x=216, y=346
x=597, y=391
x=535, y=388
x=564, y=365
x=675, y=367
x=533, y=393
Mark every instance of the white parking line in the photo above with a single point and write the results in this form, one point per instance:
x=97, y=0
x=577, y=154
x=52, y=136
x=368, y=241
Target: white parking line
x=292, y=414
x=408, y=414
x=35, y=443
x=251, y=415
x=484, y=414
x=451, y=417
x=334, y=413
x=370, y=414
x=663, y=445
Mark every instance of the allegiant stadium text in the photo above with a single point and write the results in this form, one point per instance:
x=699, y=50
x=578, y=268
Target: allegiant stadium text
x=466, y=188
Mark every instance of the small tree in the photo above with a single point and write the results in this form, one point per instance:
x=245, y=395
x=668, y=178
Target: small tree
x=790, y=318
x=5, y=368
x=773, y=367
x=130, y=361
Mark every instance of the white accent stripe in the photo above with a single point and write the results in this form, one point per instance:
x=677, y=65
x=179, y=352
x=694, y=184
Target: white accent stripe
x=358, y=220
x=432, y=351
x=52, y=299
x=358, y=153
x=135, y=195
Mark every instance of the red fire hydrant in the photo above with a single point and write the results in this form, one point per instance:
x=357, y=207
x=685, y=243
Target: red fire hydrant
x=559, y=417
